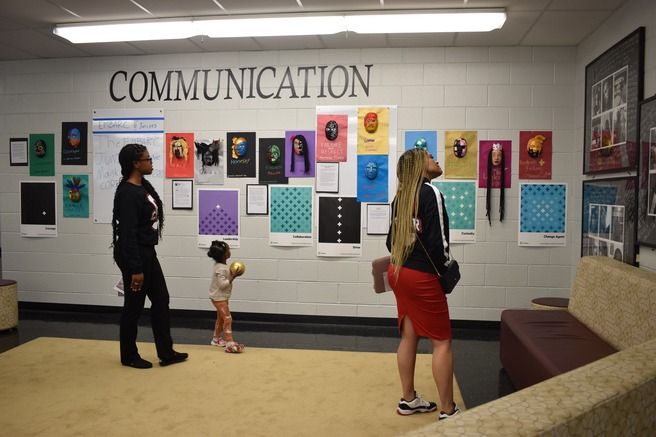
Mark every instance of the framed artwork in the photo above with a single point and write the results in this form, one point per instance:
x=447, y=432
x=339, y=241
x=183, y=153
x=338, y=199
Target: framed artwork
x=257, y=199
x=647, y=174
x=18, y=152
x=613, y=90
x=608, y=225
x=183, y=194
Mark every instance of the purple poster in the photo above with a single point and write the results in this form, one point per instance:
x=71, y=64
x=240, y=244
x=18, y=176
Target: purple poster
x=218, y=216
x=299, y=154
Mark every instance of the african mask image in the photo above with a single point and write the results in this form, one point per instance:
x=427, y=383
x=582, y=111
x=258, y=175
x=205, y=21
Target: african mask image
x=421, y=143
x=208, y=153
x=371, y=122
x=332, y=130
x=179, y=149
x=497, y=154
x=299, y=145
x=74, y=137
x=371, y=170
x=460, y=147
x=40, y=148
x=535, y=145
x=239, y=147
x=273, y=154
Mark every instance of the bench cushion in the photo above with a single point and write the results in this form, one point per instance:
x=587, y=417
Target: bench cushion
x=537, y=345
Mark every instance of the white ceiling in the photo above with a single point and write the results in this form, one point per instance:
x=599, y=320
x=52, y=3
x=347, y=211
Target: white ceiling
x=26, y=25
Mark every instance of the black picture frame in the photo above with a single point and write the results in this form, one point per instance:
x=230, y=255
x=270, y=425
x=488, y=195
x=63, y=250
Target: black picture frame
x=647, y=174
x=185, y=202
x=18, y=154
x=264, y=188
x=609, y=218
x=613, y=91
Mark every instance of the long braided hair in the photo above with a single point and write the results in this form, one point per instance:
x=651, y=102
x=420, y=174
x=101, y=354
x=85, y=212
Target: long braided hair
x=502, y=187
x=126, y=158
x=410, y=173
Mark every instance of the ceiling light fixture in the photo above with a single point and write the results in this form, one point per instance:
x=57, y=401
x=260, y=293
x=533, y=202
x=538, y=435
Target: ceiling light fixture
x=430, y=21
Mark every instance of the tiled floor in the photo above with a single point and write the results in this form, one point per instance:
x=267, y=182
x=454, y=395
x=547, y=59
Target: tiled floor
x=476, y=349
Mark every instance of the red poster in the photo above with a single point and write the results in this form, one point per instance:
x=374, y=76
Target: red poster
x=499, y=153
x=331, y=137
x=179, y=155
x=535, y=154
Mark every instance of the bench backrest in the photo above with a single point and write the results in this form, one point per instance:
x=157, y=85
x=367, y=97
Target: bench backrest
x=617, y=301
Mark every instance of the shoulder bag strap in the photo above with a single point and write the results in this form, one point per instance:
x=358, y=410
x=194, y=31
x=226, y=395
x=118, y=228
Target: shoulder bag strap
x=440, y=212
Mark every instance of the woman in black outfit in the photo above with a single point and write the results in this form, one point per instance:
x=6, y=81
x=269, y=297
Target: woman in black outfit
x=136, y=229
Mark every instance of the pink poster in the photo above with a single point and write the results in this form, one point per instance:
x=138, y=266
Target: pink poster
x=497, y=155
x=535, y=149
x=331, y=137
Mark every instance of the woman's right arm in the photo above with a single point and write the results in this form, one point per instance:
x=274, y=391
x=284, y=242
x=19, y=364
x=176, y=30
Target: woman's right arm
x=128, y=226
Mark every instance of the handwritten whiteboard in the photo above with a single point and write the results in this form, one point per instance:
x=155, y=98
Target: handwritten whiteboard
x=112, y=129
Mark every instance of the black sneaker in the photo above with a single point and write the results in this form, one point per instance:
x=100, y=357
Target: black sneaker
x=137, y=363
x=417, y=405
x=444, y=415
x=177, y=357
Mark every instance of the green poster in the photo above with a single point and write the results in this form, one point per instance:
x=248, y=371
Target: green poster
x=76, y=195
x=42, y=154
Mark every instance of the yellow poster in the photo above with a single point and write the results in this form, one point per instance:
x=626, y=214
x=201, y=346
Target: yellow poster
x=461, y=153
x=373, y=131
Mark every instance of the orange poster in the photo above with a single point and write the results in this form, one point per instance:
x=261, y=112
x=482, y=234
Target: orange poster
x=179, y=155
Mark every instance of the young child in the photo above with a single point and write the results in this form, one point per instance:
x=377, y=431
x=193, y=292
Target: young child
x=220, y=290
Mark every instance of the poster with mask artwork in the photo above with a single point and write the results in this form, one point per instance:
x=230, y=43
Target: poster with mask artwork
x=372, y=178
x=240, y=153
x=42, y=154
x=209, y=161
x=535, y=149
x=460, y=203
x=74, y=143
x=272, y=161
x=290, y=217
x=373, y=131
x=495, y=156
x=218, y=216
x=421, y=139
x=542, y=214
x=332, y=133
x=299, y=154
x=179, y=155
x=76, y=195
x=460, y=154
x=340, y=229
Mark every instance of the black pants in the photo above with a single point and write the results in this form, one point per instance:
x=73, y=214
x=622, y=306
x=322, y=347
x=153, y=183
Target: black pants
x=154, y=287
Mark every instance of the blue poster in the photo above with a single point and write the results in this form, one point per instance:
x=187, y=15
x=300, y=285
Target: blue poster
x=423, y=139
x=76, y=195
x=542, y=214
x=372, y=178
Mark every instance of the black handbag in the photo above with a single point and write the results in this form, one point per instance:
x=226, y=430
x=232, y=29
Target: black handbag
x=450, y=276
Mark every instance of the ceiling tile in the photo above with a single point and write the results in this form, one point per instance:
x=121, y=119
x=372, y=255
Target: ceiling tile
x=585, y=5
x=95, y=10
x=172, y=8
x=110, y=49
x=563, y=28
x=39, y=44
x=340, y=5
x=511, y=34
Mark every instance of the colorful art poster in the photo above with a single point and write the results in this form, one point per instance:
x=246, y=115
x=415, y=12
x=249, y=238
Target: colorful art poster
x=372, y=178
x=38, y=209
x=209, y=161
x=542, y=214
x=421, y=139
x=535, y=154
x=290, y=217
x=74, y=143
x=340, y=227
x=299, y=154
x=332, y=134
x=218, y=216
x=76, y=195
x=42, y=154
x=460, y=203
x=272, y=161
x=497, y=156
x=241, y=154
x=373, y=131
x=179, y=155
x=460, y=154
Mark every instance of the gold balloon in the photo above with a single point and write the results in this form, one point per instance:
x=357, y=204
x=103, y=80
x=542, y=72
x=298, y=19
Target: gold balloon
x=237, y=268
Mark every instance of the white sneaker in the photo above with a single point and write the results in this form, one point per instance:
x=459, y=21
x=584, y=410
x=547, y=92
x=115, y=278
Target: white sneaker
x=220, y=343
x=444, y=415
x=417, y=405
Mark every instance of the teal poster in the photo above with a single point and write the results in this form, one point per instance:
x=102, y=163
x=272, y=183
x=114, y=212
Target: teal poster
x=76, y=195
x=290, y=220
x=460, y=202
x=42, y=154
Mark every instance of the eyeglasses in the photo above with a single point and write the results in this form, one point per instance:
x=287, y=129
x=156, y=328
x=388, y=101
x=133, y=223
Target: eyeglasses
x=146, y=159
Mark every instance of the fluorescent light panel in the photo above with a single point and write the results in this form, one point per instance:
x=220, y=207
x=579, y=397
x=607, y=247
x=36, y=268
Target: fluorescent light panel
x=294, y=25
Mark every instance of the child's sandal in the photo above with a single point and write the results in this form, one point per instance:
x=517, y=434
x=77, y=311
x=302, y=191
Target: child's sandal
x=232, y=347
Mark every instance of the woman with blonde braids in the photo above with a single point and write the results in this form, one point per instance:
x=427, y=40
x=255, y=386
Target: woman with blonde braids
x=418, y=213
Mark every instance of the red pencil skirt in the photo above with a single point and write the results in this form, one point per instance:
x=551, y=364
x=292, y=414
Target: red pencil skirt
x=419, y=296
